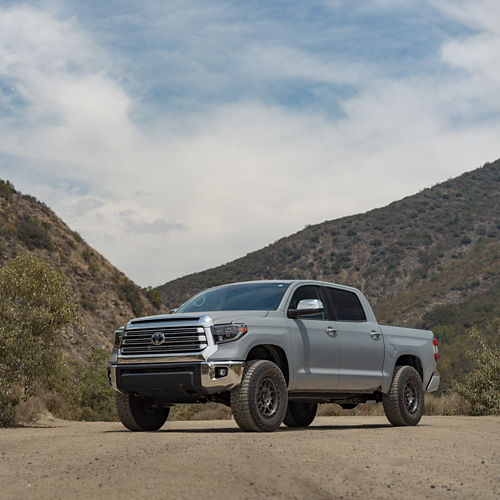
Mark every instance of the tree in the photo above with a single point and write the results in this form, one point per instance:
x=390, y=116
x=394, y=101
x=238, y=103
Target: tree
x=482, y=385
x=35, y=308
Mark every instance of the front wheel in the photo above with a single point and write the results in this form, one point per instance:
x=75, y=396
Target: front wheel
x=140, y=414
x=404, y=403
x=259, y=403
x=300, y=414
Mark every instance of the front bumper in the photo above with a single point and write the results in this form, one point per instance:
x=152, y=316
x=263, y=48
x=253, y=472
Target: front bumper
x=176, y=382
x=433, y=384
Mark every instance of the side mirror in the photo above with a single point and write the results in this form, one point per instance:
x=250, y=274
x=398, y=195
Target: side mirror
x=173, y=311
x=306, y=307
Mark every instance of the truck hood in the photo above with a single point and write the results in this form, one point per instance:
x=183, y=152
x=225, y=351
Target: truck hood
x=218, y=317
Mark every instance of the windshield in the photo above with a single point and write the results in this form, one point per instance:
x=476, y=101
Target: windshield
x=238, y=297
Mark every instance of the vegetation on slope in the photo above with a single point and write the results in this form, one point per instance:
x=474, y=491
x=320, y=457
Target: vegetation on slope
x=451, y=324
x=383, y=252
x=107, y=298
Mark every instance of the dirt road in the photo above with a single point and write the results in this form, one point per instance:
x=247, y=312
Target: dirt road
x=337, y=457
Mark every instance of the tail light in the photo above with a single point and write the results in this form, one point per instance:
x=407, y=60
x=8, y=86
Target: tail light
x=435, y=347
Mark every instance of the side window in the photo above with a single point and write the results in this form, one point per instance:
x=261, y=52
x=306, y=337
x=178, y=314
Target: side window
x=307, y=292
x=346, y=305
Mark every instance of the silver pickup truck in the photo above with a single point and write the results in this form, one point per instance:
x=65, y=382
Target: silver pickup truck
x=272, y=351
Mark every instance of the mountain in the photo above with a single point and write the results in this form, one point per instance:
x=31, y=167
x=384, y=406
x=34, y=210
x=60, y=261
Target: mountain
x=107, y=298
x=422, y=261
x=441, y=234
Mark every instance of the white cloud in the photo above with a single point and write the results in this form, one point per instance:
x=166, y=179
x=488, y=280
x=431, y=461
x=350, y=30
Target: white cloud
x=188, y=192
x=479, y=53
x=284, y=62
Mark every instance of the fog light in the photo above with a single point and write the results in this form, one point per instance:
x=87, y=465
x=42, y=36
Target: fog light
x=220, y=372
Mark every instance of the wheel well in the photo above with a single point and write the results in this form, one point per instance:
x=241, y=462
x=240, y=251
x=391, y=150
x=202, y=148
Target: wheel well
x=409, y=360
x=271, y=353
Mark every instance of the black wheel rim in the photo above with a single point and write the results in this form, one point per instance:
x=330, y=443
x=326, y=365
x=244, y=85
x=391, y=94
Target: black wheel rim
x=147, y=407
x=267, y=398
x=411, y=397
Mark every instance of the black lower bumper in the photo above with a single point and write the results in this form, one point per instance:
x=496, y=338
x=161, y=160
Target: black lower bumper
x=175, y=383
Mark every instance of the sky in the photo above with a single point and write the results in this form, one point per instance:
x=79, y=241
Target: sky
x=178, y=135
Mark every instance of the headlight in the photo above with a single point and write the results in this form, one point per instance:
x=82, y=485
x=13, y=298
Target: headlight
x=228, y=333
x=118, y=336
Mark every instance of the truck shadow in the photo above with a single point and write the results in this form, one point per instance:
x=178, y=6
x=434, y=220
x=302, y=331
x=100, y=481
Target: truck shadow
x=231, y=430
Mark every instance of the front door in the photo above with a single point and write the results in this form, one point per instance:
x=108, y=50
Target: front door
x=315, y=345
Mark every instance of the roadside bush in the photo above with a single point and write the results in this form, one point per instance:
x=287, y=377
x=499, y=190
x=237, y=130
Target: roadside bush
x=481, y=387
x=97, y=399
x=35, y=308
x=364, y=409
x=7, y=405
x=449, y=404
x=446, y=404
x=27, y=410
x=208, y=411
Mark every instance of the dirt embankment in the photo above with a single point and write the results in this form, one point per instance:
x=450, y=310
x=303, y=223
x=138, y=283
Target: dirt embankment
x=337, y=457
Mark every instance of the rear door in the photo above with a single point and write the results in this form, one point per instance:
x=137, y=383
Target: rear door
x=315, y=345
x=361, y=347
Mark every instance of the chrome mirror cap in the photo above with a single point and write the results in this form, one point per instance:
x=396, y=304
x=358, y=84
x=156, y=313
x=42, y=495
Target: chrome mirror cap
x=306, y=307
x=312, y=304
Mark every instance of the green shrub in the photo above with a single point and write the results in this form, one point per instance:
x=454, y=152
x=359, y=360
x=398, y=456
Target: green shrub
x=87, y=255
x=131, y=294
x=97, y=398
x=6, y=190
x=8, y=402
x=481, y=387
x=77, y=237
x=33, y=234
x=35, y=308
x=88, y=303
x=154, y=297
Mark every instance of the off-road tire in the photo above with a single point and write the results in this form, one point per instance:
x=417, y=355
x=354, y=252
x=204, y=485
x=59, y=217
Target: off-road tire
x=139, y=414
x=404, y=403
x=259, y=403
x=300, y=414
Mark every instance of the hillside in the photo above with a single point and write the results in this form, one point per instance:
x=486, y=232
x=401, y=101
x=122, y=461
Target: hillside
x=107, y=298
x=429, y=260
x=385, y=251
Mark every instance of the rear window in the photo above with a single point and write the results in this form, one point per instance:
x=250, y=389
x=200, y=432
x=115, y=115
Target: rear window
x=346, y=305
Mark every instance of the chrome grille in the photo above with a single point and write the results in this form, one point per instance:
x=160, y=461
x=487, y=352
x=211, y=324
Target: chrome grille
x=176, y=339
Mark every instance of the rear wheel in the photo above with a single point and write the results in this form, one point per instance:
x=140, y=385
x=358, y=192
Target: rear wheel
x=404, y=403
x=140, y=414
x=259, y=403
x=300, y=414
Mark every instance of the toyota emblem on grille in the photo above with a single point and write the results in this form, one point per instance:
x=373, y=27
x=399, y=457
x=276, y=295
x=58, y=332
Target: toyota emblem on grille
x=157, y=338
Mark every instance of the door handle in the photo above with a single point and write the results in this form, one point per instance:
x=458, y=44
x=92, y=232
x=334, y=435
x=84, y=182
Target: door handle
x=374, y=334
x=331, y=331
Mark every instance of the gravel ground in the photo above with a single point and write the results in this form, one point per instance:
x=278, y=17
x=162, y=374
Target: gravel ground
x=337, y=457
